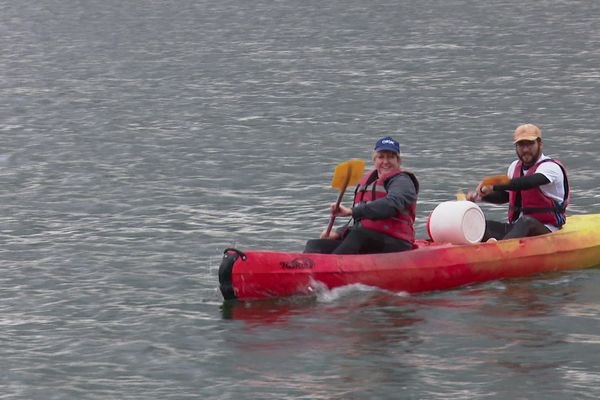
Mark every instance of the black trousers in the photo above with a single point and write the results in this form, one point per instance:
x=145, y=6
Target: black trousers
x=358, y=241
x=523, y=227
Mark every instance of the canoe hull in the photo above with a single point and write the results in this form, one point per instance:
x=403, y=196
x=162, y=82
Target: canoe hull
x=264, y=274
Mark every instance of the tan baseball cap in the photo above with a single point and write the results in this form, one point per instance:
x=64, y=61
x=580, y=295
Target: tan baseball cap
x=527, y=132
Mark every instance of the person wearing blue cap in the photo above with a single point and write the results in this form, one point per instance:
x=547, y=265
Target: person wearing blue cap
x=383, y=212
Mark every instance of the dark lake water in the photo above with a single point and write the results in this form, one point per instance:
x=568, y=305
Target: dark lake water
x=141, y=138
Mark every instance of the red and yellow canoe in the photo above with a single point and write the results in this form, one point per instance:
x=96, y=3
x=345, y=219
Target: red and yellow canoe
x=432, y=266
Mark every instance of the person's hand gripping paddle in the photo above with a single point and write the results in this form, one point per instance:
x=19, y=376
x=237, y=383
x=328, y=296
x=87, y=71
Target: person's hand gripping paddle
x=485, y=187
x=347, y=173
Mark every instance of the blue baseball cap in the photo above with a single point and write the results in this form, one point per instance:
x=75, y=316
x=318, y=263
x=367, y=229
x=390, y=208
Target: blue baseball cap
x=387, y=144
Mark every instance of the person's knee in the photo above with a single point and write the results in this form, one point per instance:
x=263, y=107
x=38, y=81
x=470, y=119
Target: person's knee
x=527, y=220
x=321, y=246
x=495, y=229
x=532, y=224
x=526, y=226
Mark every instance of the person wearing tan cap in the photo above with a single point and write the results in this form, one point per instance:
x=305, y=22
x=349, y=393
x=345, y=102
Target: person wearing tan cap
x=537, y=193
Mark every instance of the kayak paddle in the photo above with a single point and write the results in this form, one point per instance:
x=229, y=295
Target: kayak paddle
x=486, y=181
x=347, y=173
x=495, y=180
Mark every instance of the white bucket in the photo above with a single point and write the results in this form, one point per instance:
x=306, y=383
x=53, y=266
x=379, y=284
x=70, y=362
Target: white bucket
x=457, y=222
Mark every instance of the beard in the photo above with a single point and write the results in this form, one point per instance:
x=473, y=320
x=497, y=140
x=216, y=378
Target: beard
x=528, y=158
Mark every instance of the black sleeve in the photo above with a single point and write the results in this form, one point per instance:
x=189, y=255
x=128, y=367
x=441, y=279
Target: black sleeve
x=500, y=193
x=524, y=182
x=496, y=197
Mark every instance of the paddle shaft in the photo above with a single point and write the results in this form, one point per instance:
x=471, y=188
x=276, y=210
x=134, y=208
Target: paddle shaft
x=337, y=205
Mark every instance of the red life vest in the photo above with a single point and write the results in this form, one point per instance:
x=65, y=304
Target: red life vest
x=534, y=203
x=401, y=225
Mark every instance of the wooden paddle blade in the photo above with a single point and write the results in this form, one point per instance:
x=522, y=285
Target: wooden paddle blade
x=495, y=180
x=348, y=173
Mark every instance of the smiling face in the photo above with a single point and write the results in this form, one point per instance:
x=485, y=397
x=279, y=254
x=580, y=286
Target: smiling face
x=386, y=162
x=529, y=151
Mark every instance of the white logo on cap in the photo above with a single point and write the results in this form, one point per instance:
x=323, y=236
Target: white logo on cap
x=386, y=141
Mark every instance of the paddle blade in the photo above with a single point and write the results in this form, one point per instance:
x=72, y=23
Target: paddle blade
x=495, y=180
x=461, y=196
x=348, y=173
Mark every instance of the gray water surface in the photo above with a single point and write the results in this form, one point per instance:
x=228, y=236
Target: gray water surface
x=139, y=139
